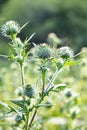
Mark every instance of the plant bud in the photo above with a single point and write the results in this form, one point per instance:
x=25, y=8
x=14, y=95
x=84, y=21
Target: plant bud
x=19, y=59
x=43, y=51
x=18, y=43
x=60, y=63
x=28, y=102
x=19, y=91
x=74, y=111
x=10, y=28
x=68, y=94
x=29, y=91
x=18, y=118
x=65, y=52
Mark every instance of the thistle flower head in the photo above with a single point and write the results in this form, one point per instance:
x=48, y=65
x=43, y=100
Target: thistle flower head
x=43, y=51
x=29, y=91
x=19, y=91
x=65, y=52
x=10, y=28
x=68, y=94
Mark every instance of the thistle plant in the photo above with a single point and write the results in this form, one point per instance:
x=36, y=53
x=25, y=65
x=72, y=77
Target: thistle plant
x=47, y=58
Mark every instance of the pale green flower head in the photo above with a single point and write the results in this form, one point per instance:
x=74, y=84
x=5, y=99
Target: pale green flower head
x=10, y=28
x=29, y=91
x=65, y=52
x=43, y=51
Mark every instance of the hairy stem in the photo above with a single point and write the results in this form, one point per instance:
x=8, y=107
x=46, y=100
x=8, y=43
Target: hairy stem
x=32, y=118
x=42, y=96
x=22, y=75
x=23, y=83
x=43, y=80
x=27, y=121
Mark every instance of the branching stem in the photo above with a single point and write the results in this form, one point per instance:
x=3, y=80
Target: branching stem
x=52, y=80
x=42, y=95
x=32, y=118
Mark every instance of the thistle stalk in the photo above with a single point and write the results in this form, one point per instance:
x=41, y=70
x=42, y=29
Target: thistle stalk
x=32, y=118
x=23, y=84
x=42, y=93
x=22, y=75
x=44, y=53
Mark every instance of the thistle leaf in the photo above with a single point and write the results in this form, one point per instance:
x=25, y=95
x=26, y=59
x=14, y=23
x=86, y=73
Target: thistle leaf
x=30, y=37
x=44, y=105
x=4, y=105
x=24, y=25
x=60, y=86
x=19, y=103
x=71, y=63
x=13, y=109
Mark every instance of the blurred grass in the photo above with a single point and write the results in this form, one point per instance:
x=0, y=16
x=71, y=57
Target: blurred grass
x=4, y=47
x=4, y=63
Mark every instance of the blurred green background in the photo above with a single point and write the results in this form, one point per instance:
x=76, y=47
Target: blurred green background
x=68, y=19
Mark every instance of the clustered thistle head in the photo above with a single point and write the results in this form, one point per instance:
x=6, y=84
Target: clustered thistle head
x=65, y=52
x=43, y=51
x=10, y=28
x=46, y=54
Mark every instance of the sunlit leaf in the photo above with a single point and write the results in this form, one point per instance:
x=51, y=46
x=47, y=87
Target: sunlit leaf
x=71, y=63
x=44, y=105
x=60, y=87
x=19, y=103
x=13, y=109
x=4, y=105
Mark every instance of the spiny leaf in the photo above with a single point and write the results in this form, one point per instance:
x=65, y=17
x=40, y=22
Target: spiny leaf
x=44, y=105
x=4, y=104
x=19, y=103
x=60, y=86
x=30, y=37
x=70, y=63
x=13, y=109
x=24, y=25
x=4, y=56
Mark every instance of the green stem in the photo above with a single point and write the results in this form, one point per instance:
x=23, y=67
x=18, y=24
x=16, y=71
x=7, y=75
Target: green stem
x=52, y=80
x=27, y=121
x=32, y=118
x=43, y=76
x=22, y=75
x=23, y=84
x=42, y=95
x=43, y=80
